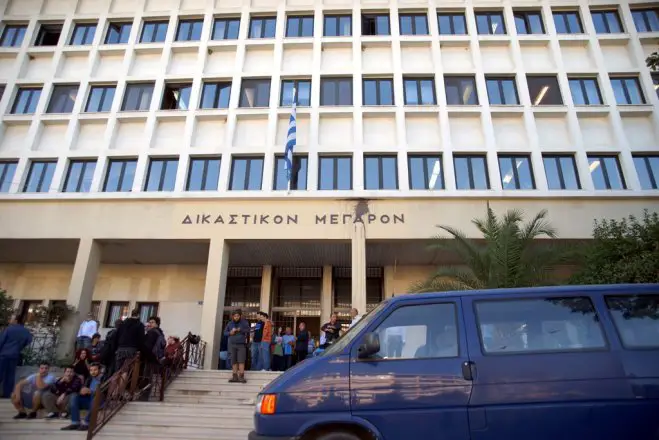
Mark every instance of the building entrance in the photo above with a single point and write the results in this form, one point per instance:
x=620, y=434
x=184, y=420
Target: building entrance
x=296, y=298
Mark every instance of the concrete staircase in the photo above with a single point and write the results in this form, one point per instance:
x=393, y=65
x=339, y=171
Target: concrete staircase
x=37, y=429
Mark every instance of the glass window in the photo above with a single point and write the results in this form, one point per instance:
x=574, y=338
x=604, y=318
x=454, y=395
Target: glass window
x=95, y=308
x=120, y=175
x=302, y=89
x=425, y=172
x=26, y=100
x=48, y=35
x=419, y=332
x=516, y=172
x=413, y=24
x=490, y=23
x=502, y=91
x=40, y=176
x=585, y=91
x=204, y=174
x=118, y=33
x=83, y=34
x=335, y=173
x=627, y=91
x=561, y=171
x=255, y=93
x=544, y=90
x=419, y=91
x=606, y=172
x=636, y=318
x=12, y=35
x=262, y=27
x=336, y=91
x=147, y=310
x=298, y=173
x=116, y=311
x=137, y=97
x=215, y=95
x=471, y=172
x=647, y=168
x=79, y=176
x=246, y=174
x=460, y=90
x=299, y=26
x=161, y=175
x=7, y=172
x=567, y=22
x=176, y=97
x=189, y=30
x=63, y=99
x=337, y=26
x=530, y=325
x=100, y=99
x=378, y=92
x=646, y=20
x=606, y=22
x=380, y=172
x=375, y=24
x=452, y=24
x=154, y=31
x=226, y=29
x=528, y=22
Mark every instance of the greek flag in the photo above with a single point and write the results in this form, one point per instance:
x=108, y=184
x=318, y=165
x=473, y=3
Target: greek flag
x=290, y=141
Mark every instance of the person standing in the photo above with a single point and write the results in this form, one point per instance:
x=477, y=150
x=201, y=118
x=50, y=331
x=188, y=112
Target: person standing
x=255, y=346
x=237, y=332
x=302, y=343
x=289, y=343
x=332, y=329
x=130, y=339
x=88, y=328
x=266, y=342
x=12, y=342
x=354, y=314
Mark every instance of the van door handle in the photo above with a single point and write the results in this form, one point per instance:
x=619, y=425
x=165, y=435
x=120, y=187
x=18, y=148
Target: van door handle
x=468, y=370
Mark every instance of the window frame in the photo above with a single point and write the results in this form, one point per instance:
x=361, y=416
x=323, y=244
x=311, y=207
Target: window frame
x=172, y=88
x=584, y=93
x=470, y=171
x=563, y=15
x=191, y=23
x=615, y=325
x=264, y=19
x=227, y=22
x=31, y=91
x=123, y=162
x=142, y=87
x=337, y=80
x=140, y=304
x=298, y=158
x=219, y=87
x=102, y=100
x=605, y=19
x=413, y=16
x=254, y=82
x=380, y=158
x=644, y=12
x=204, y=172
x=296, y=82
x=418, y=82
x=561, y=172
x=531, y=83
x=58, y=93
x=166, y=163
x=516, y=179
x=499, y=81
x=335, y=171
x=47, y=164
x=524, y=15
x=108, y=312
x=6, y=178
x=301, y=19
x=367, y=16
x=81, y=178
x=654, y=179
x=623, y=83
x=248, y=172
x=605, y=171
x=448, y=79
x=453, y=16
x=156, y=27
x=17, y=28
x=85, y=34
x=46, y=28
x=338, y=18
x=121, y=25
x=489, y=14
x=378, y=91
x=425, y=157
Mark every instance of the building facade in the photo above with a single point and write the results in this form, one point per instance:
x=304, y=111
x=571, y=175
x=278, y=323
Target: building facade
x=142, y=141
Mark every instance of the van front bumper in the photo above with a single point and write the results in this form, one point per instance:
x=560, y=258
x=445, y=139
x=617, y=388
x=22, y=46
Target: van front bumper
x=254, y=436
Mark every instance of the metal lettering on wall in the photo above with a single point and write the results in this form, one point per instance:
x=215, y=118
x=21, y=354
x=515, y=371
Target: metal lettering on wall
x=291, y=219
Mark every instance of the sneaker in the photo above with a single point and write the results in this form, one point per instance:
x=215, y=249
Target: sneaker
x=71, y=427
x=32, y=415
x=20, y=415
x=234, y=378
x=52, y=415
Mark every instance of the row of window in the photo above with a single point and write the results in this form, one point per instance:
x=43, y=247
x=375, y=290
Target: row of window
x=460, y=90
x=227, y=28
x=335, y=172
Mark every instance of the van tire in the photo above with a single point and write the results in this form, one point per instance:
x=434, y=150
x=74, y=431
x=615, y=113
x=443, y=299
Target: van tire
x=340, y=435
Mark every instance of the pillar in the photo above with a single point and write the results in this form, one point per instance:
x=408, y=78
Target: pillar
x=389, y=280
x=81, y=292
x=266, y=288
x=359, y=267
x=213, y=307
x=326, y=295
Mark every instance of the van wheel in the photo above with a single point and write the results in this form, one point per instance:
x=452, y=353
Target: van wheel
x=340, y=435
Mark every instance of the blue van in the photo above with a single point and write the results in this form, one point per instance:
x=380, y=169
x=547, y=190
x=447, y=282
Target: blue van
x=554, y=363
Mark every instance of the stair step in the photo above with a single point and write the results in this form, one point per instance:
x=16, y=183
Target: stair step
x=191, y=423
x=177, y=406
x=36, y=435
x=208, y=399
x=216, y=435
x=249, y=387
x=214, y=374
x=238, y=395
x=159, y=431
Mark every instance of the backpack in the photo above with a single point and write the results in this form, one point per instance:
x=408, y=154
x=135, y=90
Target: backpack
x=159, y=347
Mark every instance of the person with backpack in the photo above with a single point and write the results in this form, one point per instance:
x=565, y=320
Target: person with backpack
x=154, y=342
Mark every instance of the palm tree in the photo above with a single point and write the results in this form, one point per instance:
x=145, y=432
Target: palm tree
x=508, y=256
x=652, y=61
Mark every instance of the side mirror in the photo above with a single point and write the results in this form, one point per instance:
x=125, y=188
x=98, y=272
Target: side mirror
x=369, y=346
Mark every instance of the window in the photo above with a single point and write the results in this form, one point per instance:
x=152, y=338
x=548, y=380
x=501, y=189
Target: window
x=528, y=22
x=29, y=311
x=544, y=90
x=567, y=22
x=48, y=35
x=337, y=26
x=302, y=89
x=655, y=83
x=189, y=30
x=255, y=93
x=378, y=92
x=298, y=173
x=215, y=95
x=636, y=318
x=118, y=33
x=204, y=174
x=380, y=172
x=226, y=29
x=100, y=99
x=154, y=31
x=502, y=91
x=375, y=24
x=120, y=175
x=585, y=91
x=460, y=90
x=147, y=310
x=335, y=173
x=299, y=26
x=79, y=176
x=262, y=27
x=137, y=97
x=94, y=309
x=646, y=20
x=63, y=99
x=161, y=175
x=246, y=174
x=471, y=172
x=452, y=23
x=516, y=172
x=647, y=168
x=26, y=100
x=531, y=325
x=7, y=172
x=40, y=176
x=176, y=97
x=561, y=171
x=116, y=310
x=2, y=90
x=490, y=23
x=413, y=24
x=419, y=332
x=606, y=172
x=336, y=91
x=425, y=172
x=627, y=91
x=419, y=91
x=606, y=22
x=12, y=35
x=83, y=34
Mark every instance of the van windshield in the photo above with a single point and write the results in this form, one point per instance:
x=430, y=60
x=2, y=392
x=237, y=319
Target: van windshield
x=353, y=331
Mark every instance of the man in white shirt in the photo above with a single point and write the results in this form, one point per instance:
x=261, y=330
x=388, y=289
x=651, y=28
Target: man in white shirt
x=87, y=329
x=354, y=314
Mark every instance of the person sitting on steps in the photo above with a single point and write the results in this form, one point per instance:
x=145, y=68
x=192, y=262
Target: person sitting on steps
x=237, y=332
x=27, y=393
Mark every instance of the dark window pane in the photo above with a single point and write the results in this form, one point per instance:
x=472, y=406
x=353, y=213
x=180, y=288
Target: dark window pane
x=544, y=90
x=118, y=33
x=255, y=93
x=246, y=174
x=302, y=89
x=63, y=99
x=425, y=172
x=490, y=23
x=335, y=173
x=460, y=91
x=161, y=175
x=298, y=173
x=336, y=91
x=137, y=97
x=189, y=30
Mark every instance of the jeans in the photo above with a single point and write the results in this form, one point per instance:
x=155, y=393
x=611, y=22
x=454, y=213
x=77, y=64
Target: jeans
x=254, y=350
x=83, y=342
x=77, y=403
x=264, y=355
x=8, y=375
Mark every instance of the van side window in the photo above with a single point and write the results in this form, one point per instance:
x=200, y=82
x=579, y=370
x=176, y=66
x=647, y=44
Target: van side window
x=538, y=325
x=636, y=318
x=420, y=331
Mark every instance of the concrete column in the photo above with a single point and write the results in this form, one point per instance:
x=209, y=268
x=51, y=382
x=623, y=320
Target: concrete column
x=389, y=279
x=266, y=288
x=81, y=292
x=359, y=267
x=214, y=292
x=326, y=295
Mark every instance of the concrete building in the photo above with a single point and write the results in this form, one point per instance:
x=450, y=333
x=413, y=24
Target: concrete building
x=141, y=144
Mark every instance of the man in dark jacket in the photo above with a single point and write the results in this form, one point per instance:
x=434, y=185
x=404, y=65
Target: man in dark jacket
x=109, y=349
x=12, y=342
x=237, y=332
x=154, y=342
x=130, y=339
